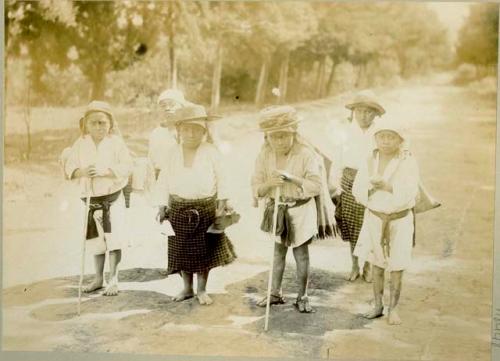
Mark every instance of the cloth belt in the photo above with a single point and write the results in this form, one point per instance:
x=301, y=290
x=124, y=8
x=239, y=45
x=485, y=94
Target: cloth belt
x=386, y=220
x=100, y=203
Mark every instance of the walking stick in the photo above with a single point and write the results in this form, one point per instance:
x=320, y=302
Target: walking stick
x=269, y=281
x=84, y=239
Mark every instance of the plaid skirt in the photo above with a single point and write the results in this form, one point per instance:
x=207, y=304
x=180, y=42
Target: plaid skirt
x=192, y=249
x=349, y=213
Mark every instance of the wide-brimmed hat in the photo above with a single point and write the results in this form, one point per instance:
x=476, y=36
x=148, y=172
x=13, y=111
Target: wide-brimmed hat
x=397, y=127
x=278, y=118
x=171, y=94
x=368, y=99
x=191, y=113
x=97, y=106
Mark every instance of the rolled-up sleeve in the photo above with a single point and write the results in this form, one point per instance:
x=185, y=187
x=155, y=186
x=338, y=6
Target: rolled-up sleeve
x=71, y=160
x=124, y=164
x=405, y=186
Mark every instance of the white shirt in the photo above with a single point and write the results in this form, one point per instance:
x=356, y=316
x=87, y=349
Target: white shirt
x=205, y=178
x=111, y=153
x=401, y=172
x=352, y=148
x=160, y=140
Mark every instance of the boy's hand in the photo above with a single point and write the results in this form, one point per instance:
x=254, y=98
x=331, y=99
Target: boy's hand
x=89, y=172
x=287, y=177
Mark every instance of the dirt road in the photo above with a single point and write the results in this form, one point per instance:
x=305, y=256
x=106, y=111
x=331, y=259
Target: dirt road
x=446, y=300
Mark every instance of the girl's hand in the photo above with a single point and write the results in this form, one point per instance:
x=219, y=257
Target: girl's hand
x=162, y=214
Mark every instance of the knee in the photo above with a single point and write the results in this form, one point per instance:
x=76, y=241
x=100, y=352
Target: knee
x=301, y=256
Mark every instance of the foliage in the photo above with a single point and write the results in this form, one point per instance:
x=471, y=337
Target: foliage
x=123, y=50
x=478, y=37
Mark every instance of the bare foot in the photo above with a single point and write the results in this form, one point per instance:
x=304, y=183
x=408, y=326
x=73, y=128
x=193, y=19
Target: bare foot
x=367, y=276
x=111, y=290
x=375, y=313
x=394, y=318
x=96, y=285
x=184, y=295
x=354, y=275
x=204, y=299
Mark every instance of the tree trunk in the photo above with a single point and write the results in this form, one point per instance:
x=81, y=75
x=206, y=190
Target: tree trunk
x=321, y=77
x=98, y=79
x=262, y=84
x=27, y=117
x=172, y=55
x=217, y=76
x=284, y=77
x=328, y=87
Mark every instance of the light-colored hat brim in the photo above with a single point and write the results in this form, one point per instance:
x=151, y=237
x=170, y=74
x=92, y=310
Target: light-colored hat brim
x=380, y=110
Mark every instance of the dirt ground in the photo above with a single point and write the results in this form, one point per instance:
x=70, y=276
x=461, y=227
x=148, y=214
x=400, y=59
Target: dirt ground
x=446, y=299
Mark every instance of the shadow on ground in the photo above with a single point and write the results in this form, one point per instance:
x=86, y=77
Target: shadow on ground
x=148, y=311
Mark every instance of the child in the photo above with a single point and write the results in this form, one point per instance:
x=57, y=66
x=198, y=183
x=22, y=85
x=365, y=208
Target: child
x=287, y=163
x=353, y=150
x=387, y=185
x=192, y=189
x=101, y=163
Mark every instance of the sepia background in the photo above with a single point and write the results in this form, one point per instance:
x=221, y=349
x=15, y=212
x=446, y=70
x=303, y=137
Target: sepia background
x=433, y=65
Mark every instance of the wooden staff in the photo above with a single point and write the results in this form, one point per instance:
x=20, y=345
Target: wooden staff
x=269, y=281
x=84, y=240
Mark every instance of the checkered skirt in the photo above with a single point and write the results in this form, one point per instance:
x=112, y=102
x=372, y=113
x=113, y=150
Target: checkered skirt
x=192, y=249
x=350, y=213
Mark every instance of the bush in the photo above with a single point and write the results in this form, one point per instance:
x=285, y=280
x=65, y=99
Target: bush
x=466, y=73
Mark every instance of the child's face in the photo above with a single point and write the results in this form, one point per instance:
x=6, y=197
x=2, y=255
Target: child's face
x=191, y=134
x=98, y=125
x=388, y=142
x=281, y=142
x=364, y=116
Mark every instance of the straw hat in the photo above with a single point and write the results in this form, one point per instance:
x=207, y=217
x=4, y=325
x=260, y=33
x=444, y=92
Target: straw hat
x=278, y=118
x=191, y=113
x=366, y=98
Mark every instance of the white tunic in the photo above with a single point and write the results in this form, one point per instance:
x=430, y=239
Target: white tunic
x=353, y=147
x=111, y=153
x=205, y=178
x=160, y=140
x=402, y=172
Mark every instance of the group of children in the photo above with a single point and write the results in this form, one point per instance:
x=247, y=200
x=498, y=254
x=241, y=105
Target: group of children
x=373, y=182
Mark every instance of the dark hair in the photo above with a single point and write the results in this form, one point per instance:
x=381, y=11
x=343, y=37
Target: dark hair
x=83, y=121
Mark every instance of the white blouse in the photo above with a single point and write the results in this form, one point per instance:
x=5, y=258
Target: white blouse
x=353, y=147
x=205, y=178
x=111, y=153
x=401, y=172
x=160, y=140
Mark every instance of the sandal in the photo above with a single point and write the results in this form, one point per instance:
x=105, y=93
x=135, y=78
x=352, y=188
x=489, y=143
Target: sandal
x=275, y=300
x=303, y=306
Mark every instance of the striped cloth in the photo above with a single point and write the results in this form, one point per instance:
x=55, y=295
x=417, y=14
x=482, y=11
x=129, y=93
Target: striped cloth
x=349, y=213
x=192, y=249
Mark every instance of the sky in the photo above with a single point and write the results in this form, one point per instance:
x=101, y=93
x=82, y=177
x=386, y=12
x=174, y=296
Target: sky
x=452, y=14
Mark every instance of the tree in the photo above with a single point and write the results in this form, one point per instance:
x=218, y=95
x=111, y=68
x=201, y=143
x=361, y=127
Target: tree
x=478, y=37
x=97, y=36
